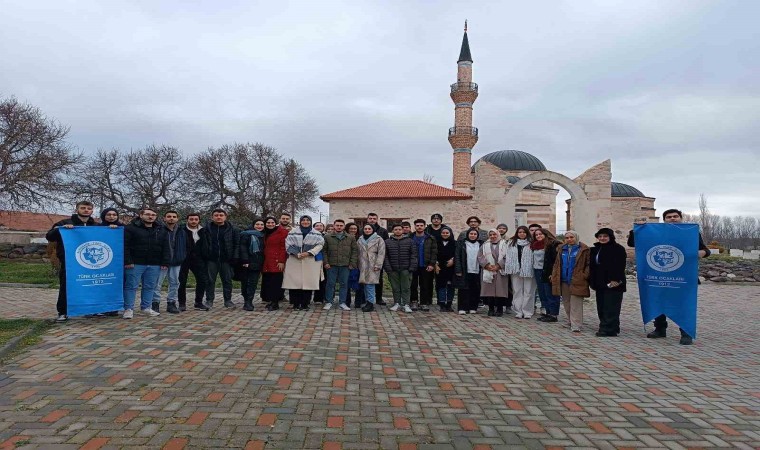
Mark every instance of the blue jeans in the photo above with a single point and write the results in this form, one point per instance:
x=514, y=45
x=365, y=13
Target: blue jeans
x=149, y=276
x=171, y=296
x=549, y=301
x=337, y=274
x=445, y=294
x=369, y=293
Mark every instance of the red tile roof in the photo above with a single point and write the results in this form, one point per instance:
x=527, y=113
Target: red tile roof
x=28, y=221
x=397, y=189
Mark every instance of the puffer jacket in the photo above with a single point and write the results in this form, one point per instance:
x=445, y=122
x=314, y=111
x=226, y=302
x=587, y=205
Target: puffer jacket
x=580, y=276
x=400, y=254
x=146, y=246
x=340, y=252
x=228, y=238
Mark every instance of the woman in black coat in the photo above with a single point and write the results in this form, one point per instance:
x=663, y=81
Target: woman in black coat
x=444, y=279
x=608, y=280
x=252, y=260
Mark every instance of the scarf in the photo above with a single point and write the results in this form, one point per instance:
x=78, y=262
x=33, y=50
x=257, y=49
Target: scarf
x=538, y=245
x=488, y=255
x=255, y=246
x=522, y=266
x=194, y=232
x=296, y=242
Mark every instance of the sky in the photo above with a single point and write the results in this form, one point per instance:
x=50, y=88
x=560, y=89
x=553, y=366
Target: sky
x=358, y=91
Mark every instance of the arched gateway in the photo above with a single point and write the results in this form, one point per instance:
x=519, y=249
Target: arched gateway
x=584, y=213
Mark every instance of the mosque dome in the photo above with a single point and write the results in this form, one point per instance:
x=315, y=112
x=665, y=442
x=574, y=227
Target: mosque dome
x=514, y=160
x=625, y=190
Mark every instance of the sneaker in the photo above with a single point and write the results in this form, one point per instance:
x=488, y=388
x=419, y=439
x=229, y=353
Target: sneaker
x=345, y=307
x=575, y=329
x=150, y=312
x=229, y=304
x=657, y=334
x=527, y=317
x=128, y=314
x=518, y=316
x=685, y=340
x=425, y=308
x=62, y=318
x=368, y=307
x=462, y=313
x=473, y=311
x=407, y=309
x=395, y=307
x=171, y=308
x=327, y=306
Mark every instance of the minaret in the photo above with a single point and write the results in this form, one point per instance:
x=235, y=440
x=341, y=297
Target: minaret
x=463, y=136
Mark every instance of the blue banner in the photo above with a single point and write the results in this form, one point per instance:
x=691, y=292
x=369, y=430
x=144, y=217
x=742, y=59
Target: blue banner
x=94, y=269
x=667, y=268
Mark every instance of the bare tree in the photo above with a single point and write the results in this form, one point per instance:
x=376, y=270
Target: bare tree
x=249, y=180
x=427, y=178
x=130, y=180
x=35, y=158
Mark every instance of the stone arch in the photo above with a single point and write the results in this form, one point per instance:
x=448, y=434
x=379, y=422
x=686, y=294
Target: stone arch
x=584, y=211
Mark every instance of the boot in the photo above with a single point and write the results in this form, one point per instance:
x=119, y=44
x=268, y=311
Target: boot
x=368, y=307
x=199, y=306
x=248, y=304
x=657, y=333
x=491, y=312
x=273, y=306
x=171, y=308
x=229, y=304
x=154, y=306
x=182, y=306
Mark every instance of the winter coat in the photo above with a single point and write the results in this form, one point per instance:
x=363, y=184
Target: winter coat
x=303, y=273
x=382, y=232
x=460, y=264
x=179, y=247
x=400, y=254
x=274, y=250
x=371, y=257
x=445, y=253
x=340, y=252
x=429, y=251
x=255, y=261
x=550, y=255
x=146, y=246
x=193, y=250
x=436, y=233
x=227, y=237
x=54, y=235
x=499, y=287
x=579, y=280
x=611, y=266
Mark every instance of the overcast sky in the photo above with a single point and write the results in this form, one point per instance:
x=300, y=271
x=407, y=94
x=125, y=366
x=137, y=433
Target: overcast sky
x=358, y=91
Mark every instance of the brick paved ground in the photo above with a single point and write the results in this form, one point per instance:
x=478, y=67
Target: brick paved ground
x=383, y=380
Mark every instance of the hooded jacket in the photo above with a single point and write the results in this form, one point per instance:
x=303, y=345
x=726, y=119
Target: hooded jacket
x=54, y=235
x=146, y=246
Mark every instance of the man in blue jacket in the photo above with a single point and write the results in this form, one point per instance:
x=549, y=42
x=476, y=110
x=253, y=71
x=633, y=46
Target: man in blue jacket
x=178, y=250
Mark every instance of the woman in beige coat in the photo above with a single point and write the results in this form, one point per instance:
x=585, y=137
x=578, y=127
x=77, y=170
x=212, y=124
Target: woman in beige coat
x=371, y=257
x=303, y=270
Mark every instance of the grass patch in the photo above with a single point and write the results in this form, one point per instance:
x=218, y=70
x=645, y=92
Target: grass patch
x=10, y=328
x=28, y=272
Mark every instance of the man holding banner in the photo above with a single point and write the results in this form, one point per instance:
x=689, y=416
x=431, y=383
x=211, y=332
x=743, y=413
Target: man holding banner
x=82, y=218
x=666, y=264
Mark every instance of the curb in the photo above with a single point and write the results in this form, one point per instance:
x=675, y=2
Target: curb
x=12, y=344
x=25, y=285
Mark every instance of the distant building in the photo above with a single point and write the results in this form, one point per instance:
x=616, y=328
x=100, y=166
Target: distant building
x=482, y=189
x=28, y=221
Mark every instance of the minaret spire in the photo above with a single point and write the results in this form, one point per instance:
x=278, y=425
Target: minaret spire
x=463, y=136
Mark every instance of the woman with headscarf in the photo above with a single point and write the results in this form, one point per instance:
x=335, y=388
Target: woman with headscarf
x=570, y=278
x=109, y=217
x=252, y=259
x=502, y=228
x=275, y=257
x=544, y=254
x=494, y=282
x=303, y=271
x=519, y=266
x=467, y=272
x=608, y=280
x=444, y=268
x=371, y=258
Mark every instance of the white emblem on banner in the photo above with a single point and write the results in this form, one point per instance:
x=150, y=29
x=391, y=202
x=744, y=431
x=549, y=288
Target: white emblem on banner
x=665, y=258
x=94, y=255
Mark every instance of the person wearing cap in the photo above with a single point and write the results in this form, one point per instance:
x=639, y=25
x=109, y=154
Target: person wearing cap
x=473, y=222
x=608, y=280
x=435, y=226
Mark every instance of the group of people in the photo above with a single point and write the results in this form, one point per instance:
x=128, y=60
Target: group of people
x=487, y=267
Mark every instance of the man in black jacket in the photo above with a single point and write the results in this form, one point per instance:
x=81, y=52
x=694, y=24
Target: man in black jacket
x=661, y=321
x=146, y=254
x=422, y=276
x=178, y=250
x=193, y=263
x=219, y=242
x=383, y=233
x=400, y=262
x=82, y=218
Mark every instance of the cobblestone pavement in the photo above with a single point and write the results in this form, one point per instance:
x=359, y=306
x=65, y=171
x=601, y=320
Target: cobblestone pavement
x=353, y=380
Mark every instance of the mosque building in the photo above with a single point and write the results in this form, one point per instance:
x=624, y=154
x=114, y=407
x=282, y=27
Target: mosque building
x=483, y=188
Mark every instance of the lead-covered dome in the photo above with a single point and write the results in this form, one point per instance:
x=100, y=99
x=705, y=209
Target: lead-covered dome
x=514, y=160
x=624, y=190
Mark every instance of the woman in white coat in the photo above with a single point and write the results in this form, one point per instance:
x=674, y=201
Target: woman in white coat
x=303, y=270
x=519, y=266
x=371, y=257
